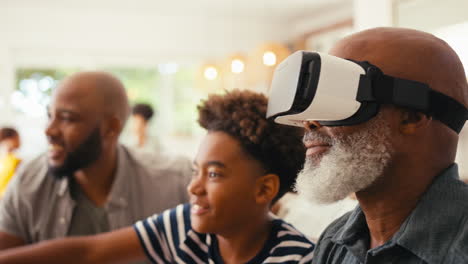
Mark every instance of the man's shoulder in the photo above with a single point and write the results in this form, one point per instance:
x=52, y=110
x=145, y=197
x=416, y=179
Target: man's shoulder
x=458, y=249
x=458, y=208
x=461, y=189
x=29, y=190
x=154, y=177
x=157, y=164
x=32, y=172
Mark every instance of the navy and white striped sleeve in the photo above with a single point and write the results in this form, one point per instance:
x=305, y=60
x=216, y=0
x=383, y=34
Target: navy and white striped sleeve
x=292, y=247
x=161, y=235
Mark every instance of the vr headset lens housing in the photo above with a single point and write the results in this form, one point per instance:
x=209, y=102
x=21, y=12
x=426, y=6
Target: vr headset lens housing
x=325, y=88
x=339, y=92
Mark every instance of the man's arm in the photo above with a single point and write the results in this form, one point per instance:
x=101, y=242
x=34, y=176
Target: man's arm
x=9, y=241
x=15, y=206
x=119, y=246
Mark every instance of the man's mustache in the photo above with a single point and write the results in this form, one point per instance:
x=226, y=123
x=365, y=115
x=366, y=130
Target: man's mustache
x=316, y=136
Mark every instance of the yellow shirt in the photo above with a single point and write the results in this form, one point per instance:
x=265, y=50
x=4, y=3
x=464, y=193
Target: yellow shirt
x=8, y=164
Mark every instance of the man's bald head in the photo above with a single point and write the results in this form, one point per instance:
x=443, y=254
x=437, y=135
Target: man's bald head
x=409, y=54
x=419, y=56
x=104, y=92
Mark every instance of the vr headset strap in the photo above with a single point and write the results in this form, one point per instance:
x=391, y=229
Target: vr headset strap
x=413, y=95
x=448, y=111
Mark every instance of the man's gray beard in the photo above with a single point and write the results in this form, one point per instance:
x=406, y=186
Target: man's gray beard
x=352, y=163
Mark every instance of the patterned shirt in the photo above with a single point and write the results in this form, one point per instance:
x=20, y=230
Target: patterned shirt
x=435, y=232
x=169, y=238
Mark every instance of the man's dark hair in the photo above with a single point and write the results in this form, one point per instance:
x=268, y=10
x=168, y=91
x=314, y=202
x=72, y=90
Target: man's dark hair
x=242, y=115
x=8, y=132
x=144, y=110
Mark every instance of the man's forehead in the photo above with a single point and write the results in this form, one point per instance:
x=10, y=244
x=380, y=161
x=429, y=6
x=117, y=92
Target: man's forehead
x=75, y=97
x=392, y=49
x=77, y=86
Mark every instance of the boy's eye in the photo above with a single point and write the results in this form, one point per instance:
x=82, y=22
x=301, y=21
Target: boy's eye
x=66, y=118
x=194, y=172
x=213, y=174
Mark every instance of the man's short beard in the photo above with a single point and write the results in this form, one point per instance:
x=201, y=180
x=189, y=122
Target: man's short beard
x=353, y=163
x=82, y=157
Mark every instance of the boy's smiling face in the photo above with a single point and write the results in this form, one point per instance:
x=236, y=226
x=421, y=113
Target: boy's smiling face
x=224, y=188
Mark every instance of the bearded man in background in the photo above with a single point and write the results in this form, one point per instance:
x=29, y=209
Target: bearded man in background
x=87, y=183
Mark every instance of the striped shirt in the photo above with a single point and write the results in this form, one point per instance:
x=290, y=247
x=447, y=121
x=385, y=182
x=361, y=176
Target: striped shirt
x=169, y=238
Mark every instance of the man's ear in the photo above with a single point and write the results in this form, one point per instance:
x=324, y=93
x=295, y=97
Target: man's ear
x=413, y=121
x=267, y=188
x=113, y=127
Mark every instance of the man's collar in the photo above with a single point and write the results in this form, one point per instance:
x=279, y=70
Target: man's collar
x=354, y=234
x=429, y=228
x=353, y=226
x=118, y=195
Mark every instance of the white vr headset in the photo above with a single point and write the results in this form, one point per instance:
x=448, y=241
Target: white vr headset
x=340, y=92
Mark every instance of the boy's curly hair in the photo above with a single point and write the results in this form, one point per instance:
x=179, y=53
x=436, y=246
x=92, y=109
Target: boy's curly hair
x=242, y=114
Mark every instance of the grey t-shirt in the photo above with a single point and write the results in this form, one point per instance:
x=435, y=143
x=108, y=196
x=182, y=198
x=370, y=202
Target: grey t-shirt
x=435, y=232
x=87, y=218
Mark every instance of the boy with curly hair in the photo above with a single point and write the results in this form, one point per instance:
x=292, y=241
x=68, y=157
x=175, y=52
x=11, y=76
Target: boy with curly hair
x=244, y=164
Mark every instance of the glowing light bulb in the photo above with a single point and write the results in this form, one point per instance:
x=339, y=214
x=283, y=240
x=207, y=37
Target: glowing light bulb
x=237, y=66
x=269, y=58
x=211, y=73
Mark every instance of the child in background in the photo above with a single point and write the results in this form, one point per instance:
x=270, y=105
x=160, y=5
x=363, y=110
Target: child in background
x=9, y=142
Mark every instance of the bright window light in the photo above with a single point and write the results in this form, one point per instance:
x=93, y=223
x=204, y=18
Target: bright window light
x=456, y=37
x=168, y=68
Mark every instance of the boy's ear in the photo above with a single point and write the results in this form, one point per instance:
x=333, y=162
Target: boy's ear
x=412, y=121
x=267, y=188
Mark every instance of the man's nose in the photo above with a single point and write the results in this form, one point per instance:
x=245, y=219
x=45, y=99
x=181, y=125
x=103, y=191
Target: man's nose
x=51, y=128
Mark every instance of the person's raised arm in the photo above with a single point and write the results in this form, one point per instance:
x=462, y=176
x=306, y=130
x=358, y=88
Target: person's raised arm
x=119, y=246
x=9, y=241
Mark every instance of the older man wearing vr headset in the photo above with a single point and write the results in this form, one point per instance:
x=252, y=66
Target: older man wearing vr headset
x=382, y=115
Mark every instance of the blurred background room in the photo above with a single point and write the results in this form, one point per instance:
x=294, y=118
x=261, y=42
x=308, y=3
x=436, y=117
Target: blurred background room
x=170, y=54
